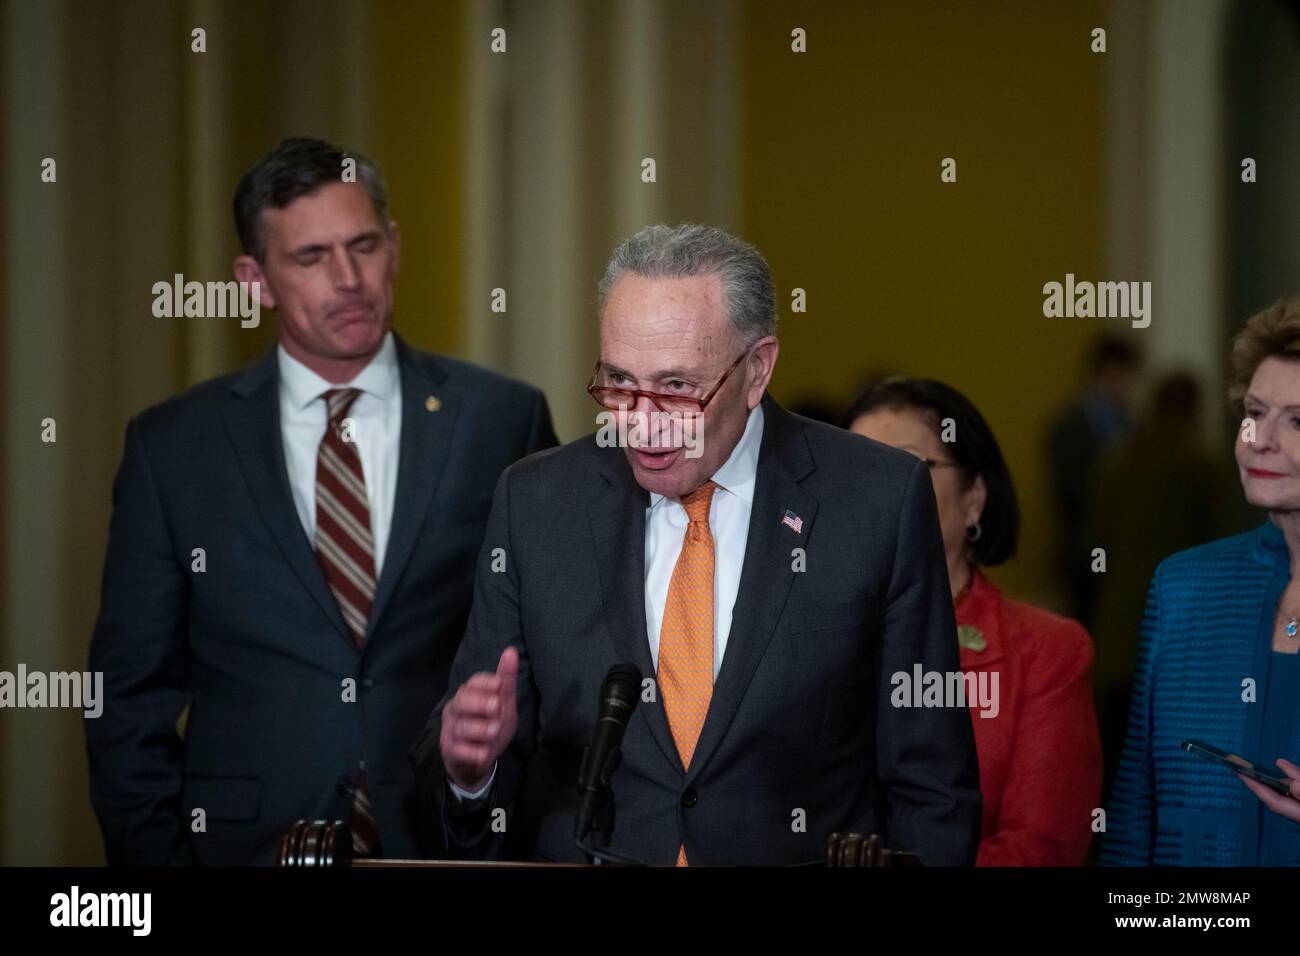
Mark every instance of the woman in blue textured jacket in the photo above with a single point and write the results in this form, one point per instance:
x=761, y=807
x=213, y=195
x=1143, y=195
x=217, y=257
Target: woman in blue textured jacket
x=1218, y=657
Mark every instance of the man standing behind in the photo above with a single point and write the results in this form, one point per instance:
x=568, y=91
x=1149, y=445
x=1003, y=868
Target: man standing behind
x=773, y=586
x=291, y=548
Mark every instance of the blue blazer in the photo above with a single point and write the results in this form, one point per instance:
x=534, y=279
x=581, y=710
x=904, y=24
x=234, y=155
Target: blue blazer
x=1206, y=635
x=254, y=644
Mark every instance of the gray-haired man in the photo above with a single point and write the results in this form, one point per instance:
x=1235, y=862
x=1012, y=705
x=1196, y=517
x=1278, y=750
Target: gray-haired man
x=771, y=577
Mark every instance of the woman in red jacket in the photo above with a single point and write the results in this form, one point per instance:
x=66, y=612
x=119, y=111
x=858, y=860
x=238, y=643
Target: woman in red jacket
x=1038, y=745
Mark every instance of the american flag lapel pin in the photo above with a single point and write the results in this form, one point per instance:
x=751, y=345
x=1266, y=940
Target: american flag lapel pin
x=793, y=522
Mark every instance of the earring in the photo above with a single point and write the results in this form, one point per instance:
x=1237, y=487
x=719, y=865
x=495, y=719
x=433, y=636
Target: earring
x=972, y=538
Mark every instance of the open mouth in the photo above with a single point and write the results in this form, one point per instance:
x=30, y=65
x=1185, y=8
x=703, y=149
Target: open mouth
x=656, y=459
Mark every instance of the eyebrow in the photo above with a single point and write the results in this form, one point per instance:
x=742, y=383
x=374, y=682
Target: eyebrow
x=676, y=372
x=325, y=246
x=1259, y=401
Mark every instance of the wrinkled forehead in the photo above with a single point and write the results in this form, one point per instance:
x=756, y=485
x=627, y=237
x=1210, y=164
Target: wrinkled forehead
x=902, y=427
x=1276, y=381
x=653, y=324
x=335, y=213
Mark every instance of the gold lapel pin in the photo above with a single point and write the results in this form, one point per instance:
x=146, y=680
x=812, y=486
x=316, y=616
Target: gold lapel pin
x=433, y=403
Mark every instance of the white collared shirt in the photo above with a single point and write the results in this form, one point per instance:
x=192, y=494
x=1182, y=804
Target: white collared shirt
x=377, y=429
x=665, y=530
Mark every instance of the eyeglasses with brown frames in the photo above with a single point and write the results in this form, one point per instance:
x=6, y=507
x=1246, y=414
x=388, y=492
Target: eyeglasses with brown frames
x=613, y=398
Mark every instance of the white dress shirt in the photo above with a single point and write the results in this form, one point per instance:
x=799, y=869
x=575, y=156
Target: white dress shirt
x=665, y=530
x=377, y=430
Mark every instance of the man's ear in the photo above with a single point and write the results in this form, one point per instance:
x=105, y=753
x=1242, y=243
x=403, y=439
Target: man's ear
x=247, y=269
x=395, y=235
x=763, y=363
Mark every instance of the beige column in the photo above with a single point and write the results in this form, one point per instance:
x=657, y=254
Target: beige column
x=35, y=340
x=1186, y=190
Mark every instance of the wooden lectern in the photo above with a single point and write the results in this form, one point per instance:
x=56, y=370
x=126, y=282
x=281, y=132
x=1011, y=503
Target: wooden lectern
x=853, y=849
x=321, y=843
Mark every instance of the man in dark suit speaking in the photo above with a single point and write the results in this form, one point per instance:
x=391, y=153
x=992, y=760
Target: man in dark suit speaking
x=291, y=548
x=772, y=584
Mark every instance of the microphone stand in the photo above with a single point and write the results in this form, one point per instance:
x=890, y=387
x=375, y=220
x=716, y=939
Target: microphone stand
x=601, y=824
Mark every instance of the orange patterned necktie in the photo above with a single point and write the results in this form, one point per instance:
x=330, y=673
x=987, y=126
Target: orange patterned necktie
x=686, y=637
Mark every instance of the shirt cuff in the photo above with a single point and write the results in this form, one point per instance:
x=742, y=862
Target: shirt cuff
x=462, y=795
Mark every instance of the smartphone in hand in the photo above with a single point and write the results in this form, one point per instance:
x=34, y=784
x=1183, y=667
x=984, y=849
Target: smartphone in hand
x=1273, y=779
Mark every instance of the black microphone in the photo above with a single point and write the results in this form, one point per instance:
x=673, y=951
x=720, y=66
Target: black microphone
x=618, y=698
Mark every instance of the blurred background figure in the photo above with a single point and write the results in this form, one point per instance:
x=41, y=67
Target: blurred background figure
x=1039, y=755
x=1218, y=660
x=1160, y=490
x=1096, y=419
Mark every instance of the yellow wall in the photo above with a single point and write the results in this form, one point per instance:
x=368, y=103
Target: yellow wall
x=419, y=59
x=842, y=156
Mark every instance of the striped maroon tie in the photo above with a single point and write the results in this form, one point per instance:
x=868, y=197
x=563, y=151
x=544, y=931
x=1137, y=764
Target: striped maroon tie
x=345, y=548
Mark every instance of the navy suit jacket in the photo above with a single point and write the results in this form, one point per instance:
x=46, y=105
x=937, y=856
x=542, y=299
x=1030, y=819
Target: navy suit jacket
x=801, y=738
x=254, y=642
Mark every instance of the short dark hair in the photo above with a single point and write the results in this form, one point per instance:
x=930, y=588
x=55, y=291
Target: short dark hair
x=298, y=167
x=974, y=448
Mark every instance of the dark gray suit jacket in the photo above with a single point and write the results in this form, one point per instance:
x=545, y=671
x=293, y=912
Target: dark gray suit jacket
x=800, y=728
x=255, y=644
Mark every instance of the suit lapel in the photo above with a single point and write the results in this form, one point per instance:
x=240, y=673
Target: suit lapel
x=253, y=423
x=427, y=429
x=617, y=517
x=767, y=574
